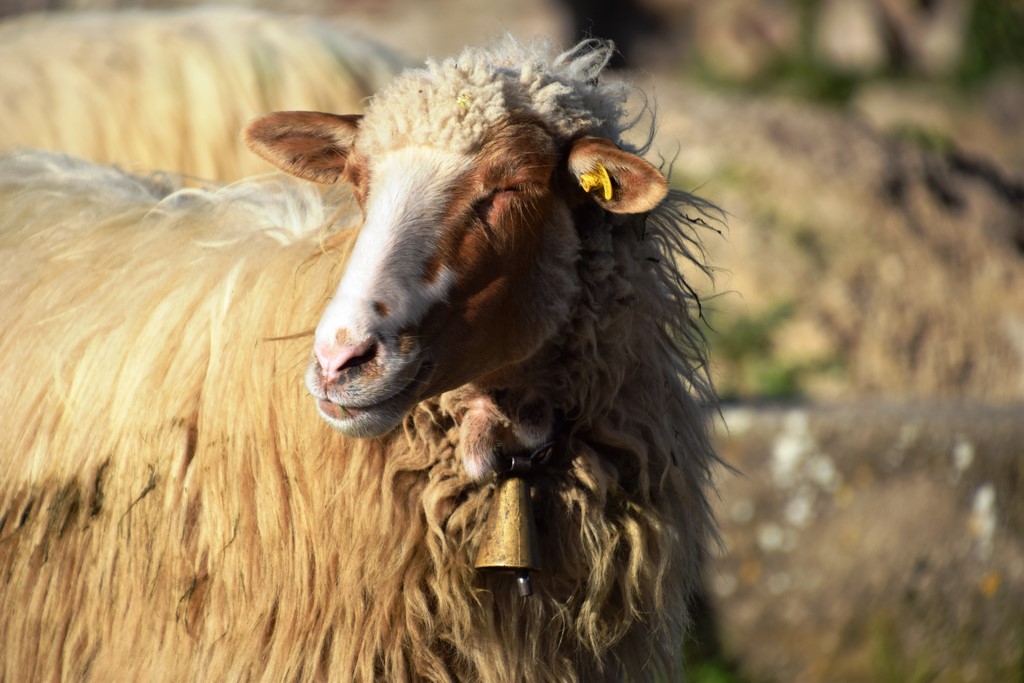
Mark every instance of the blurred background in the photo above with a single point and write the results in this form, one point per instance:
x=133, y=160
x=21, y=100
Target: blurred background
x=866, y=318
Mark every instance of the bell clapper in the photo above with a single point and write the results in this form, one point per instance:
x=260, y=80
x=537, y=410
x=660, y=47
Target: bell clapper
x=524, y=583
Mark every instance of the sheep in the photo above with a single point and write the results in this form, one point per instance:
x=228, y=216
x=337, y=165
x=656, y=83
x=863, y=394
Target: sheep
x=496, y=269
x=169, y=90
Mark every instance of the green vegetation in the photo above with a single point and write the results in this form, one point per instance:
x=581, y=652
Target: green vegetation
x=705, y=662
x=750, y=363
x=995, y=39
x=993, y=42
x=925, y=138
x=795, y=74
x=713, y=672
x=890, y=659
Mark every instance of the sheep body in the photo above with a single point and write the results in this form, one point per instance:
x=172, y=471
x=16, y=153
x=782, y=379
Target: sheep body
x=171, y=90
x=172, y=508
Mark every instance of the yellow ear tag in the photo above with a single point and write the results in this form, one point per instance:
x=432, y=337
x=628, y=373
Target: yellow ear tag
x=597, y=180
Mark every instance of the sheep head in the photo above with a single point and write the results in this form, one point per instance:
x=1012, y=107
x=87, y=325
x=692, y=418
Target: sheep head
x=464, y=266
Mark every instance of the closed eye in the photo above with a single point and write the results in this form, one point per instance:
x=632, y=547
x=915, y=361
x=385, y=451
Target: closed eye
x=485, y=206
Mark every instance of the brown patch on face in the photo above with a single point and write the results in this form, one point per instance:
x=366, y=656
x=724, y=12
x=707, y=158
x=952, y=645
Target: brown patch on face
x=357, y=174
x=406, y=343
x=369, y=372
x=343, y=337
x=491, y=238
x=381, y=309
x=432, y=268
x=501, y=199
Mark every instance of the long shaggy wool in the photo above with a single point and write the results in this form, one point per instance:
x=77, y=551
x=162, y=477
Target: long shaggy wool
x=171, y=90
x=172, y=507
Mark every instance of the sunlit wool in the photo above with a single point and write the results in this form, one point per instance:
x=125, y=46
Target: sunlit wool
x=171, y=90
x=173, y=508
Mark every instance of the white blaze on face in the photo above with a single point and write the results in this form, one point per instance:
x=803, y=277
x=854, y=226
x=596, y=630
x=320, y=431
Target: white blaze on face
x=409, y=190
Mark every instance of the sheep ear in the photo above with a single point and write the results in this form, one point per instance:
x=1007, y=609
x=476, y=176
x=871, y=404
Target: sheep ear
x=617, y=180
x=308, y=144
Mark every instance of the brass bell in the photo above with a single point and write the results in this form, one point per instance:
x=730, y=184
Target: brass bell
x=510, y=538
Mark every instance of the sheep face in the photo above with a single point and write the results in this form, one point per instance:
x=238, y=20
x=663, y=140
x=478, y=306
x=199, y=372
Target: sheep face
x=464, y=264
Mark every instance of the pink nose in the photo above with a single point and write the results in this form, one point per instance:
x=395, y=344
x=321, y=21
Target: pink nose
x=335, y=358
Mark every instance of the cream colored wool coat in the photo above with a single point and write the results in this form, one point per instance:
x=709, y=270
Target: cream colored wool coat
x=170, y=90
x=172, y=507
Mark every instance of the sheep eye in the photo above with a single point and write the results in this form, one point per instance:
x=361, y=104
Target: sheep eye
x=485, y=204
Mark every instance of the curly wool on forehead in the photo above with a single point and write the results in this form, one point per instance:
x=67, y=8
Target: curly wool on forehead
x=452, y=104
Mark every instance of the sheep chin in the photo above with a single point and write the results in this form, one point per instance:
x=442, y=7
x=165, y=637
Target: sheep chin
x=366, y=422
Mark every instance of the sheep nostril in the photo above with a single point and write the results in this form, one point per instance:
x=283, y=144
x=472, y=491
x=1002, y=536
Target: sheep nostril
x=362, y=359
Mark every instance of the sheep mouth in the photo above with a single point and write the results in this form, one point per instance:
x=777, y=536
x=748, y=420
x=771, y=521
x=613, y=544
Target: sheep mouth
x=338, y=412
x=364, y=420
